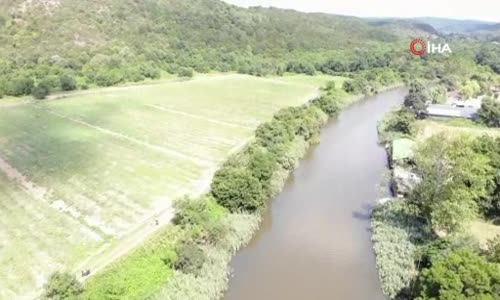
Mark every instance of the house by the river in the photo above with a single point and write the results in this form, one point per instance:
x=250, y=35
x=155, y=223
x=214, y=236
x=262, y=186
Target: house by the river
x=456, y=108
x=448, y=111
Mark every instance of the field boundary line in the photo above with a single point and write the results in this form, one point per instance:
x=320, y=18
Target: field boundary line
x=174, y=111
x=39, y=193
x=118, y=135
x=13, y=174
x=10, y=105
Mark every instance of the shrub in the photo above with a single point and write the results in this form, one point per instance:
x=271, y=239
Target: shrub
x=20, y=86
x=272, y=134
x=67, y=83
x=262, y=164
x=62, y=286
x=41, y=91
x=150, y=71
x=185, y=72
x=493, y=252
x=397, y=124
x=416, y=100
x=203, y=216
x=210, y=282
x=311, y=121
x=489, y=114
x=237, y=189
x=461, y=274
x=330, y=86
x=328, y=104
x=349, y=87
x=300, y=67
x=190, y=257
x=108, y=77
x=197, y=211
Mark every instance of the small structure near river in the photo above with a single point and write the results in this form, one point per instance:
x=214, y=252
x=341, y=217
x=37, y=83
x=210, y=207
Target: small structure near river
x=447, y=111
x=404, y=177
x=456, y=108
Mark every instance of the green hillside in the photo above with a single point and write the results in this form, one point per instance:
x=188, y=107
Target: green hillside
x=106, y=42
x=455, y=26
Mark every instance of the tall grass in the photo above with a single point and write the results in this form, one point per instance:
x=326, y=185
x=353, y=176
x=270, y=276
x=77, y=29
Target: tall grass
x=213, y=278
x=396, y=233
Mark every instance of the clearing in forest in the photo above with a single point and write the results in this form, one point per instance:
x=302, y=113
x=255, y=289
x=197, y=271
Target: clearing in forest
x=82, y=173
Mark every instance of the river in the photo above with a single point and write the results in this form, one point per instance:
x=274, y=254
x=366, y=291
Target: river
x=314, y=241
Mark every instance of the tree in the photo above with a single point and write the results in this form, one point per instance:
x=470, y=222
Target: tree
x=108, y=77
x=438, y=94
x=262, y=163
x=301, y=67
x=185, y=72
x=190, y=257
x=275, y=133
x=330, y=86
x=493, y=250
x=489, y=114
x=328, y=104
x=460, y=275
x=20, y=86
x=490, y=147
x=349, y=87
x=40, y=91
x=62, y=285
x=67, y=83
x=237, y=189
x=489, y=56
x=402, y=121
x=416, y=100
x=469, y=89
x=454, y=177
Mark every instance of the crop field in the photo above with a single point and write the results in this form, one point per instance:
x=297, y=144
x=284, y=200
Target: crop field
x=81, y=173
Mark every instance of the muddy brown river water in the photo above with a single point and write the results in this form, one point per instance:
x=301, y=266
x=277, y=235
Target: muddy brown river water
x=314, y=241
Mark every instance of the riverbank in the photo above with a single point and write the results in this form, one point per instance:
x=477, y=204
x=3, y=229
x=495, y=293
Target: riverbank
x=427, y=230
x=215, y=238
x=315, y=232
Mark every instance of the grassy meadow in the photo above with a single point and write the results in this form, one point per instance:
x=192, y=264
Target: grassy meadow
x=80, y=173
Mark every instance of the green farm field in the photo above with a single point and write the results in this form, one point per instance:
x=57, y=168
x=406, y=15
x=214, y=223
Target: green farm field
x=84, y=176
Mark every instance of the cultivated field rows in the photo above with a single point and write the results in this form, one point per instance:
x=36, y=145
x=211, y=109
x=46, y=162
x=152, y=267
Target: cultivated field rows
x=82, y=172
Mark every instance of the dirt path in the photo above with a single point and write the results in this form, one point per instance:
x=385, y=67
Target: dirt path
x=109, y=254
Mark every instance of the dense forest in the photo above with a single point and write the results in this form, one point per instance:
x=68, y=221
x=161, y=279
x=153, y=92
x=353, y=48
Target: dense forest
x=57, y=45
x=64, y=45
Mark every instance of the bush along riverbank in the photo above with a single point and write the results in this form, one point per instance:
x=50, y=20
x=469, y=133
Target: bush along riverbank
x=422, y=240
x=189, y=258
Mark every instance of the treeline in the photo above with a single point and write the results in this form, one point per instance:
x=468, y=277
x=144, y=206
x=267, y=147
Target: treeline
x=109, y=42
x=489, y=55
x=245, y=182
x=188, y=260
x=41, y=78
x=112, y=42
